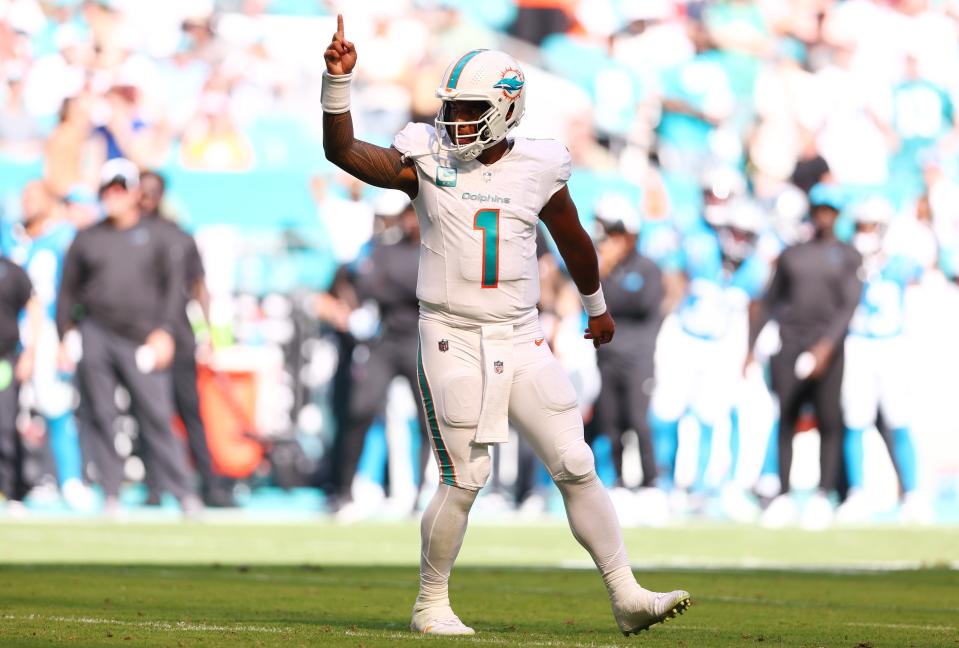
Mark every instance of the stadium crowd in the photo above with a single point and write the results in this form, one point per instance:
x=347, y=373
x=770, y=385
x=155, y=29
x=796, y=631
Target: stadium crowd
x=706, y=138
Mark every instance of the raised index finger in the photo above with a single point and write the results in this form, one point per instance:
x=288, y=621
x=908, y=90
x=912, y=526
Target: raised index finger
x=339, y=25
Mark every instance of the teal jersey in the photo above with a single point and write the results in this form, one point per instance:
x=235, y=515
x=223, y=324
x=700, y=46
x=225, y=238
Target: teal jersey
x=715, y=295
x=42, y=258
x=880, y=313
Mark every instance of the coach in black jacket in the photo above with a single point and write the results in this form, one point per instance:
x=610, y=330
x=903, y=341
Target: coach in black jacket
x=121, y=290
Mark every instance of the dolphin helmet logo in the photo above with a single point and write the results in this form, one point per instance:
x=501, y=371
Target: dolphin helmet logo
x=511, y=83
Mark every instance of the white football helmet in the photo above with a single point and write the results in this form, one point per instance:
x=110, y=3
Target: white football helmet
x=480, y=75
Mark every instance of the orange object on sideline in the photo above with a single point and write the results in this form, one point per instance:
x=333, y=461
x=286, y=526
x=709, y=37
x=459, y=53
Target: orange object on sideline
x=228, y=409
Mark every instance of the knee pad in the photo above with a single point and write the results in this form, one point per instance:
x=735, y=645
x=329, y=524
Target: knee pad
x=575, y=462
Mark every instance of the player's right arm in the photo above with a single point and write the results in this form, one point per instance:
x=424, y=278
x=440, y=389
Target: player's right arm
x=375, y=165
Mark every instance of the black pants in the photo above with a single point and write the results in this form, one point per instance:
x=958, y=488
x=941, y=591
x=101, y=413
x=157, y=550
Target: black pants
x=388, y=357
x=186, y=400
x=108, y=360
x=824, y=393
x=623, y=404
x=12, y=485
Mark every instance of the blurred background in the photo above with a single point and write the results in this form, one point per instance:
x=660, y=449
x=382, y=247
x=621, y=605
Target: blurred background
x=681, y=117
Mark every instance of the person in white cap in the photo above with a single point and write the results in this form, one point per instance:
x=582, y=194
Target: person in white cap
x=121, y=291
x=479, y=196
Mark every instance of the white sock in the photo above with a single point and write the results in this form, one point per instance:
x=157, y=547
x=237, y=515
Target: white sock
x=595, y=526
x=442, y=530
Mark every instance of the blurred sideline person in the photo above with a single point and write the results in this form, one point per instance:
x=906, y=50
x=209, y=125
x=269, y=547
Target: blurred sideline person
x=16, y=367
x=482, y=361
x=813, y=293
x=121, y=291
x=634, y=290
x=186, y=399
x=386, y=277
x=39, y=244
x=877, y=372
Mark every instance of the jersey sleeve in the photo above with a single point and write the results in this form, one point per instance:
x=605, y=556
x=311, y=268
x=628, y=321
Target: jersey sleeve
x=552, y=164
x=562, y=170
x=414, y=139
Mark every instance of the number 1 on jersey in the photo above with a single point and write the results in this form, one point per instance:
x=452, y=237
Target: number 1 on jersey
x=487, y=220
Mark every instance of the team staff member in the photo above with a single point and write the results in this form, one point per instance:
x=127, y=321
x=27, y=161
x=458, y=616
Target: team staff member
x=15, y=295
x=633, y=286
x=813, y=294
x=186, y=399
x=121, y=290
x=388, y=277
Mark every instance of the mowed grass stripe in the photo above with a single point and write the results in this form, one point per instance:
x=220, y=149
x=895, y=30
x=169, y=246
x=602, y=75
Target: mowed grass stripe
x=347, y=606
x=545, y=545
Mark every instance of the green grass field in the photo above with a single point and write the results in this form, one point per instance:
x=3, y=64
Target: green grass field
x=234, y=584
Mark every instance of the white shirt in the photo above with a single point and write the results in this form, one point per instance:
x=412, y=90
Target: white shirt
x=478, y=225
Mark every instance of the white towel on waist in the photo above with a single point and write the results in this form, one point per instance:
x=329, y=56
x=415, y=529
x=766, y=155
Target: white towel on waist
x=496, y=352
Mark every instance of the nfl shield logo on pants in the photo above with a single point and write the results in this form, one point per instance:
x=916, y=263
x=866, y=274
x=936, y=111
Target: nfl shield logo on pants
x=498, y=366
x=444, y=345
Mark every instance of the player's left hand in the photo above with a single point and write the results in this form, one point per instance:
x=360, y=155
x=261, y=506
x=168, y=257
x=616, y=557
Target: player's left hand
x=163, y=347
x=822, y=352
x=600, y=329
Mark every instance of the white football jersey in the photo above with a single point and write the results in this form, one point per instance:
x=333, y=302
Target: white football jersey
x=478, y=225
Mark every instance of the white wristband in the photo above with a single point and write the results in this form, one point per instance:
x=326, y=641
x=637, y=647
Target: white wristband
x=595, y=304
x=335, y=96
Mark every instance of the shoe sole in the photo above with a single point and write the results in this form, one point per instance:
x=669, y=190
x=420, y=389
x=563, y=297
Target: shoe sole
x=680, y=607
x=426, y=631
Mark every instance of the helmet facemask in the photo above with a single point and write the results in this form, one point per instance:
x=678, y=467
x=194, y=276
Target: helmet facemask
x=466, y=138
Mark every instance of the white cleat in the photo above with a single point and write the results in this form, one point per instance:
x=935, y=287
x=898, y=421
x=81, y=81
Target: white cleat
x=780, y=513
x=439, y=621
x=652, y=506
x=858, y=508
x=916, y=509
x=79, y=496
x=642, y=609
x=818, y=514
x=737, y=505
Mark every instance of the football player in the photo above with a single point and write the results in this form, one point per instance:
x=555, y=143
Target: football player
x=697, y=352
x=877, y=365
x=39, y=244
x=482, y=362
